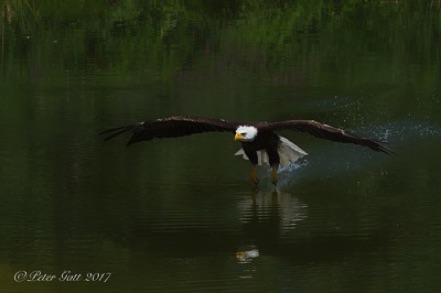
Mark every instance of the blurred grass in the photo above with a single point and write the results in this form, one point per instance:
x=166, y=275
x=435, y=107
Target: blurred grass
x=159, y=37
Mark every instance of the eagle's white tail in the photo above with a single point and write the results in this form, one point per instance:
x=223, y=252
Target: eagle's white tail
x=288, y=153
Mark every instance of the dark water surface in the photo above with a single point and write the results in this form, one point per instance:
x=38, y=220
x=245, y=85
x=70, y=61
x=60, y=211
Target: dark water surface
x=180, y=215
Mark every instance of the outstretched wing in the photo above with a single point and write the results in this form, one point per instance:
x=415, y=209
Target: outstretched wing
x=325, y=131
x=171, y=127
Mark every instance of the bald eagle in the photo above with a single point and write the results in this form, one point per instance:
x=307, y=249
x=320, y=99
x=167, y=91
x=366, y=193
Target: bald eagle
x=260, y=143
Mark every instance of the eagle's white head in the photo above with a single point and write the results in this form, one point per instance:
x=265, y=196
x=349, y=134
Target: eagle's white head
x=245, y=133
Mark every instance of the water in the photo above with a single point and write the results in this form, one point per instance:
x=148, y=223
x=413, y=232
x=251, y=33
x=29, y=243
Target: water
x=181, y=215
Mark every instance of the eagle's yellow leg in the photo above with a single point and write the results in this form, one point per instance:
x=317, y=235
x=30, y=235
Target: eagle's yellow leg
x=254, y=177
x=274, y=176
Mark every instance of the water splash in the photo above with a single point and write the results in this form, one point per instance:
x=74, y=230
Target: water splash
x=402, y=131
x=287, y=176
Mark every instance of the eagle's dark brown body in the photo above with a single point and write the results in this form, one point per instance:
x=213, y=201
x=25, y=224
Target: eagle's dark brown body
x=265, y=140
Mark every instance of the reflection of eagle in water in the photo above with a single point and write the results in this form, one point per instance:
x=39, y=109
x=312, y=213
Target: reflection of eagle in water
x=260, y=144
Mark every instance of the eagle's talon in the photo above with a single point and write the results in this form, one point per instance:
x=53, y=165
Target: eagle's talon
x=254, y=176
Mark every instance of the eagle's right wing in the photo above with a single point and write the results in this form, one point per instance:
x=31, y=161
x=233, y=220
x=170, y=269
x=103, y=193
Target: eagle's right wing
x=171, y=127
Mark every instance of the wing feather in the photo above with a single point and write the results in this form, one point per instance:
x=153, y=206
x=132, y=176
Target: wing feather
x=174, y=126
x=325, y=131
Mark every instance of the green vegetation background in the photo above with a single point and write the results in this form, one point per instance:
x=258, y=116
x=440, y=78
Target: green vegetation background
x=157, y=37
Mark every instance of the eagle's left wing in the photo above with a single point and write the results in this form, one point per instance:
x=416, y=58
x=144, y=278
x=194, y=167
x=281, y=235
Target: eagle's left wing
x=325, y=131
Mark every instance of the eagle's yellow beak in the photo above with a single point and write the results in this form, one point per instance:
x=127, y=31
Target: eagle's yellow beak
x=239, y=136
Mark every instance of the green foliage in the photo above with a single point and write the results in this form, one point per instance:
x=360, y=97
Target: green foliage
x=167, y=33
